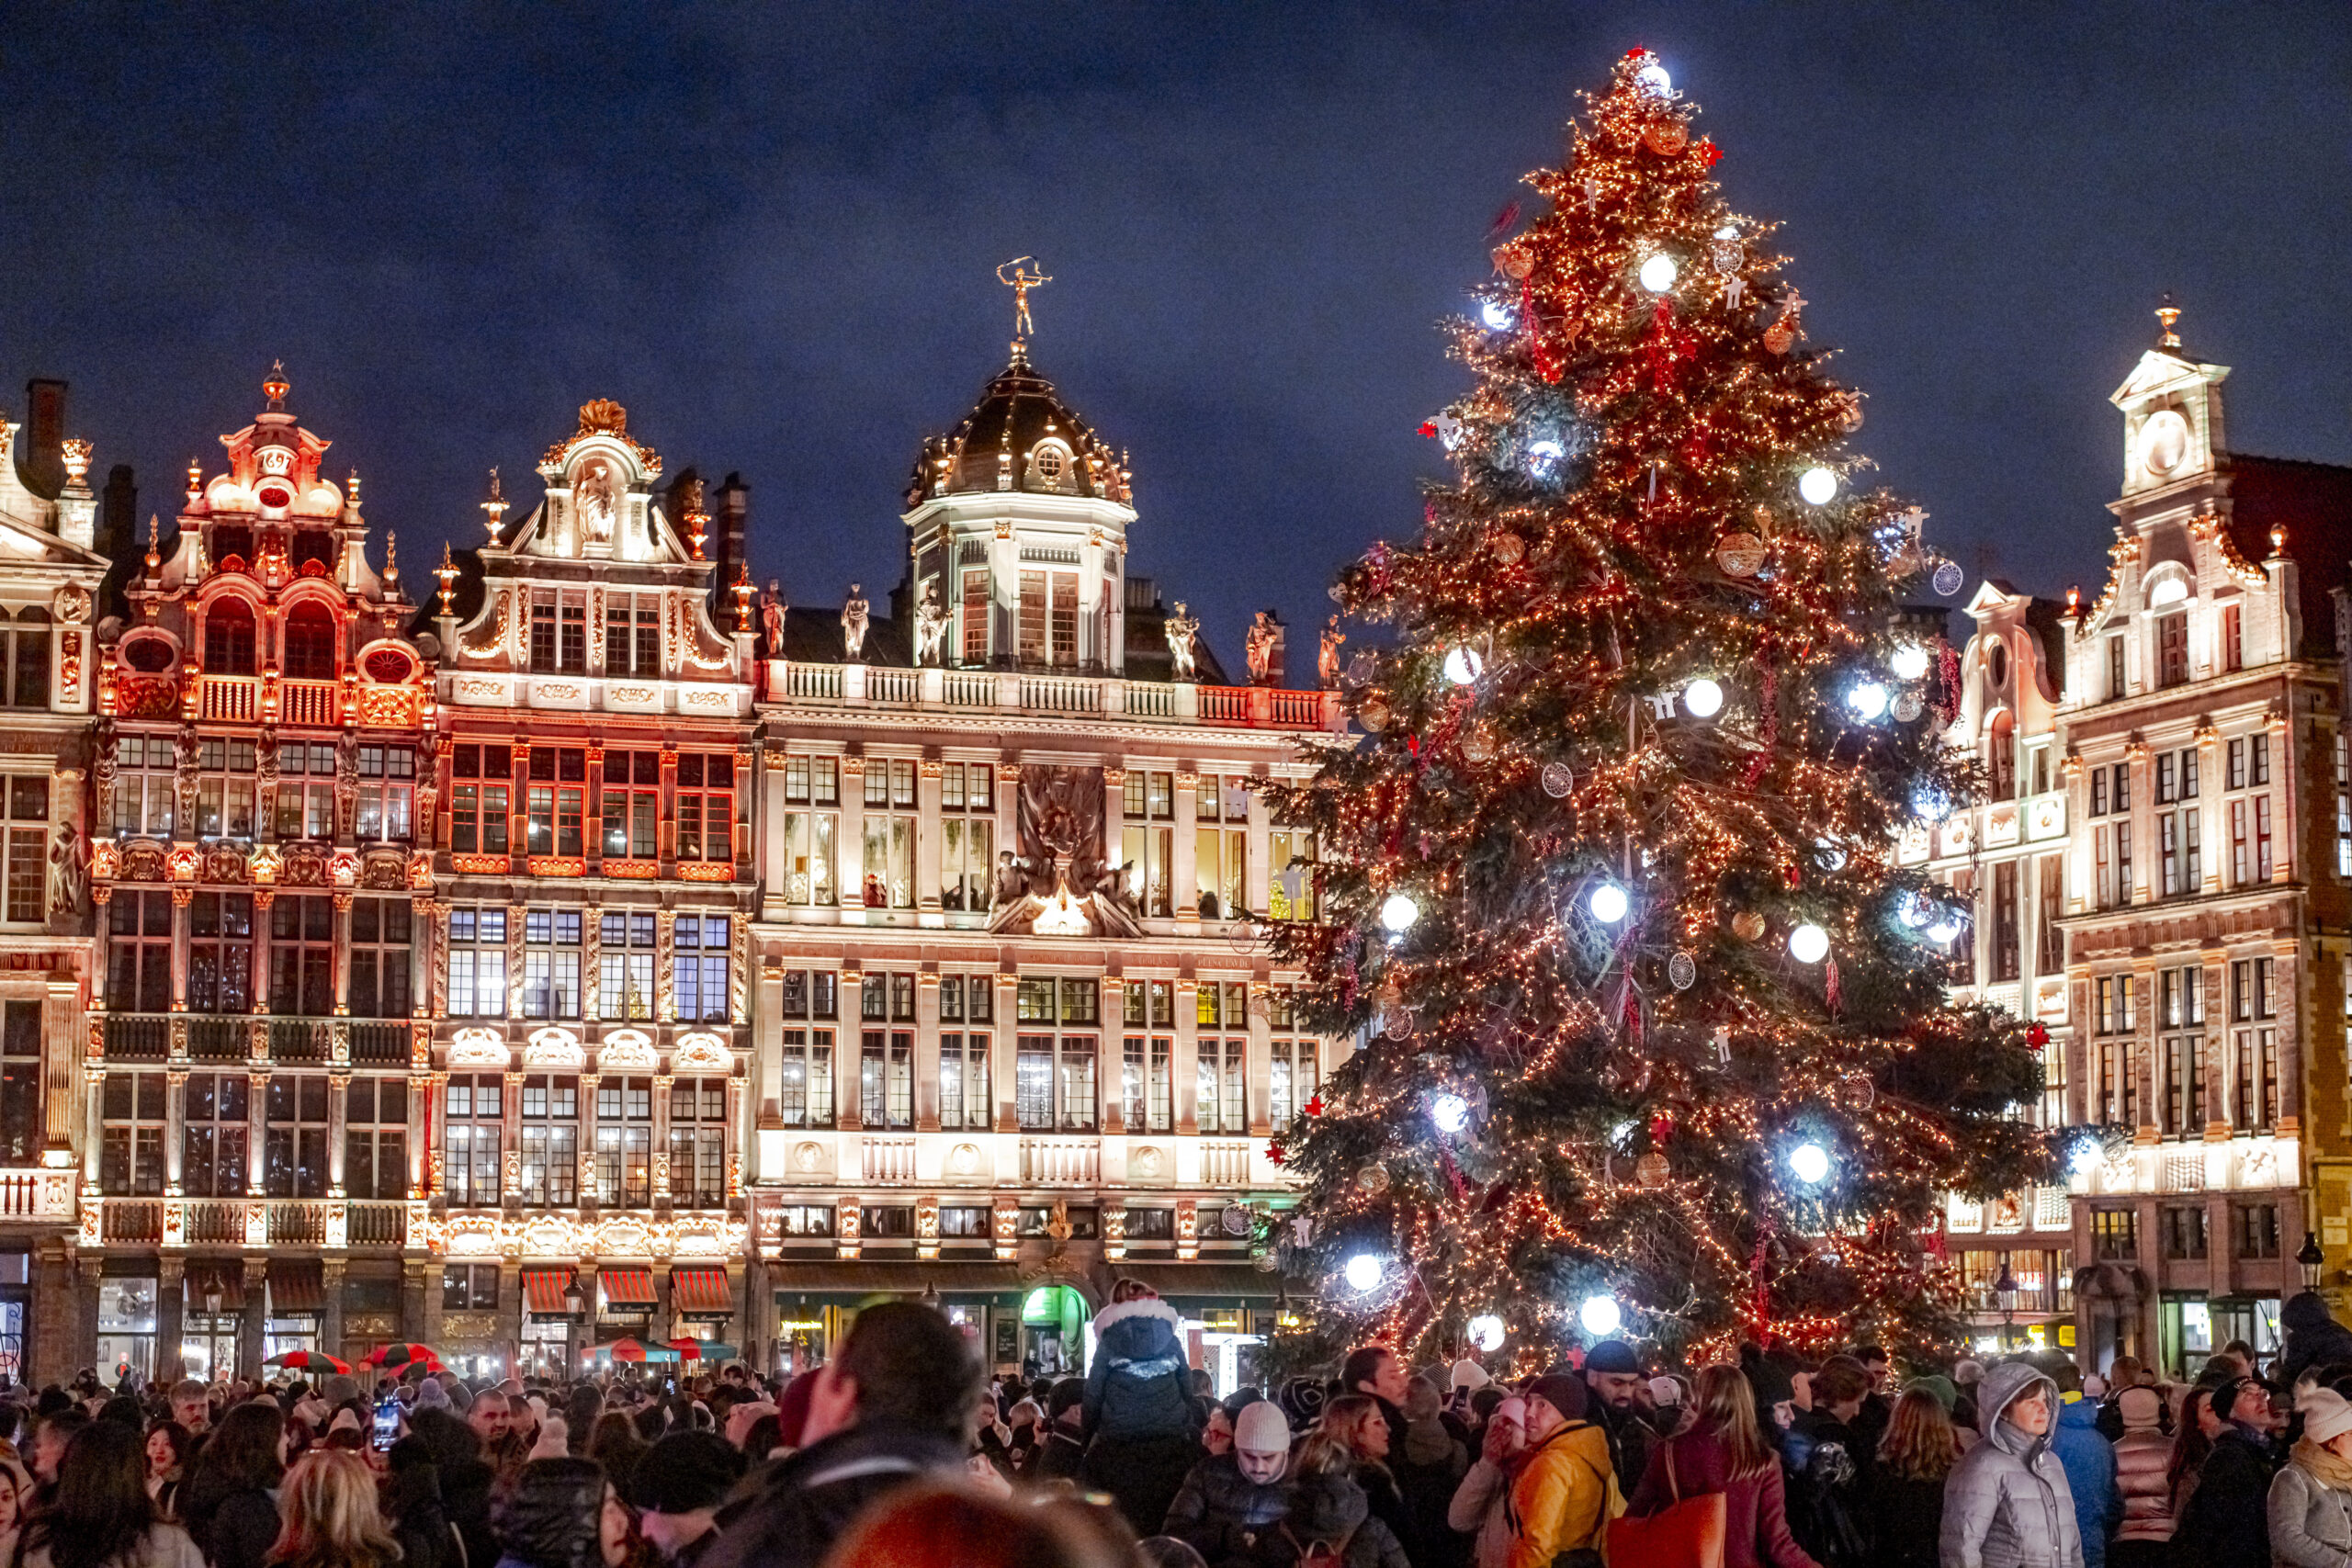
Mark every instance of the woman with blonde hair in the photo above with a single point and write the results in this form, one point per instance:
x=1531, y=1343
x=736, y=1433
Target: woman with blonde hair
x=329, y=1506
x=1334, y=1478
x=1903, y=1498
x=1724, y=1449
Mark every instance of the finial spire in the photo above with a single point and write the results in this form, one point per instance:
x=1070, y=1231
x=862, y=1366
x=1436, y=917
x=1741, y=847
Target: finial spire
x=1022, y=280
x=2169, y=314
x=495, y=506
x=448, y=572
x=275, y=386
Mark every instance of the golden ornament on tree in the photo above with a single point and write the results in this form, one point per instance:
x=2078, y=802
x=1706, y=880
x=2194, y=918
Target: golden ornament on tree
x=1666, y=137
x=1779, y=338
x=1739, y=555
x=1508, y=548
x=1651, y=1169
x=1514, y=261
x=1747, y=925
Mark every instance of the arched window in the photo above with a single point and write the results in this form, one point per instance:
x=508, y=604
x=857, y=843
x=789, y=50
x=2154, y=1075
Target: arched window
x=2001, y=755
x=309, y=643
x=229, y=638
x=29, y=660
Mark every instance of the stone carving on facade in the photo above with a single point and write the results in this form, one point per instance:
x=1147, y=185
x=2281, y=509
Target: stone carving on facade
x=1327, y=656
x=855, y=620
x=1064, y=886
x=184, y=773
x=931, y=627
x=772, y=611
x=1183, y=637
x=595, y=495
x=1258, y=648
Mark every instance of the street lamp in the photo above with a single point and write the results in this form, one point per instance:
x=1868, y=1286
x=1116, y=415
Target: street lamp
x=2311, y=1258
x=2005, y=1291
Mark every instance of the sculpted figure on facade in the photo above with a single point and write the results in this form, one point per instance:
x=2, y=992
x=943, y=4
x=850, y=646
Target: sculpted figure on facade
x=1327, y=657
x=931, y=627
x=772, y=609
x=1258, y=648
x=1184, y=632
x=854, y=622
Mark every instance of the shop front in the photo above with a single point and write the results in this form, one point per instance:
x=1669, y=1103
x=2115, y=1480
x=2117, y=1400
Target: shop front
x=627, y=1306
x=702, y=1305
x=296, y=1307
x=211, y=1317
x=2191, y=1327
x=553, y=1308
x=127, y=1321
x=815, y=1301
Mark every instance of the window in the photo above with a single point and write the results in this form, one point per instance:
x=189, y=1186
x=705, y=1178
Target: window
x=471, y=1115
x=2181, y=1230
x=2006, y=957
x=387, y=794
x=1218, y=1100
x=1053, y=1068
x=559, y=635
x=305, y=790
x=294, y=1137
x=966, y=1222
x=805, y=1080
x=707, y=806
x=469, y=1287
x=553, y=804
x=2053, y=1088
x=2115, y=684
x=551, y=964
x=1047, y=628
x=2001, y=747
x=302, y=955
x=224, y=789
x=381, y=944
x=2172, y=649
x=2115, y=1235
x=219, y=951
x=632, y=805
x=2051, y=944
x=375, y=1138
x=478, y=807
x=812, y=795
x=2249, y=761
x=968, y=829
x=548, y=1109
x=138, y=952
x=886, y=1079
x=2184, y=1086
x=1290, y=867
x=1292, y=1077
x=638, y=654
x=2111, y=1004
x=130, y=1153
x=975, y=615
x=698, y=1143
x=20, y=1075
x=2343, y=806
x=1145, y=1072
x=805, y=1220
x=2111, y=855
x=2232, y=639
x=213, y=1153
x=966, y=1097
x=1220, y=843
x=2179, y=855
x=699, y=966
x=229, y=638
x=624, y=1142
x=2255, y=1230
x=625, y=962
x=889, y=833
x=1149, y=799
x=2254, y=1047
x=478, y=961
x=143, y=795
x=309, y=642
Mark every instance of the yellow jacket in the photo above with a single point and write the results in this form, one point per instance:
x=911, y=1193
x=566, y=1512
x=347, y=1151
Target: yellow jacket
x=1564, y=1497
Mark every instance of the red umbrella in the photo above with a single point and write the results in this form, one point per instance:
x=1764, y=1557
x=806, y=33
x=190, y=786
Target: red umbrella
x=307, y=1361
x=402, y=1355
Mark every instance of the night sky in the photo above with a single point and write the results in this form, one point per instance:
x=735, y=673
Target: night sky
x=771, y=233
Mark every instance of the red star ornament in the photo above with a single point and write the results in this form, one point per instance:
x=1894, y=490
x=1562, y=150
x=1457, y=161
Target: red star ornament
x=1274, y=1153
x=1314, y=1107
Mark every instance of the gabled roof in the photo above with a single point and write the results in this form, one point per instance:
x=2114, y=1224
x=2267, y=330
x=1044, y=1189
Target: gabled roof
x=2312, y=502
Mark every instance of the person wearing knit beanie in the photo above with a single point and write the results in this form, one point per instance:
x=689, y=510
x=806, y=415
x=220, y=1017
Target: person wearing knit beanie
x=1469, y=1376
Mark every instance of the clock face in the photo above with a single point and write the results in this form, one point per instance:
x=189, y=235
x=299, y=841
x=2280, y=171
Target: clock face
x=2163, y=441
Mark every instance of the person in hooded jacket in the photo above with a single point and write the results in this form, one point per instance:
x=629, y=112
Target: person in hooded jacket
x=1566, y=1492
x=2143, y=1457
x=231, y=1502
x=2007, y=1504
x=2089, y=1460
x=2313, y=1338
x=1428, y=1469
x=1232, y=1505
x=2225, y=1523
x=1140, y=1416
x=1324, y=1506
x=463, y=1478
x=410, y=1503
x=561, y=1512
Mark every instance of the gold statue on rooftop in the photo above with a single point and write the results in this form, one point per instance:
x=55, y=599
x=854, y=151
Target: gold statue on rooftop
x=1022, y=281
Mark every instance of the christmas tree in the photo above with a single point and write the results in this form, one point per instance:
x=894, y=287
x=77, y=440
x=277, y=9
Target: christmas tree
x=1653, y=1021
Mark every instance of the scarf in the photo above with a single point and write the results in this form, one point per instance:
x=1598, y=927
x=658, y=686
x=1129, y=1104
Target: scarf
x=2324, y=1465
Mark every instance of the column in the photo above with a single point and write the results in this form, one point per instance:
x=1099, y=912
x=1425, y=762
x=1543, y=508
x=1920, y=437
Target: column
x=1115, y=818
x=592, y=802
x=2213, y=820
x=927, y=836
x=63, y=1028
x=1185, y=1069
x=426, y=915
x=170, y=1317
x=510, y=1313
x=175, y=1126
x=257, y=1127
x=420, y=1302
x=93, y=1123
x=510, y=1140
x=587, y=1177
x=86, y=1270
x=1183, y=874
x=665, y=840
x=262, y=898
x=180, y=899
x=849, y=841
x=1110, y=1077
x=926, y=1067
x=250, y=1348
x=1259, y=1088
x=662, y=1083
x=2144, y=1054
x=338, y=1120
x=2212, y=975
x=330, y=1271
x=848, y=1039
x=1258, y=879
x=342, y=954
x=2286, y=987
x=1003, y=1046
x=53, y=1341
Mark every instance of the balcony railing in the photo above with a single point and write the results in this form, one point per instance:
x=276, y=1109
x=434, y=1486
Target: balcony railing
x=1225, y=1163
x=1049, y=1160
x=378, y=1225
x=227, y=1037
x=131, y=1219
x=380, y=1044
x=309, y=703
x=888, y=1159
x=37, y=1194
x=215, y=1225
x=1035, y=692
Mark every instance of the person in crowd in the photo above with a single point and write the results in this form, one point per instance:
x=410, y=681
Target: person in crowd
x=16, y=1496
x=465, y=1480
x=1354, y=1421
x=1902, y=1501
x=192, y=1406
x=1216, y=1431
x=168, y=1444
x=1230, y=1503
x=1324, y=1508
x=231, y=1500
x=2123, y=1373
x=2142, y=1461
x=1062, y=1455
x=1480, y=1507
x=50, y=1436
x=2311, y=1337
x=1774, y=1393
x=1831, y=1465
x=1428, y=1469
x=1140, y=1416
x=1878, y=1403
x=2089, y=1460
x=2226, y=1521
x=1560, y=1499
x=583, y=1410
x=2310, y=1505
x=102, y=1517
x=892, y=1409
x=947, y=1526
x=561, y=1512
x=2194, y=1429
x=412, y=1507
x=1376, y=1373
x=330, y=1519
x=1613, y=1380
x=678, y=1488
x=2005, y=1501
x=616, y=1447
x=1724, y=1449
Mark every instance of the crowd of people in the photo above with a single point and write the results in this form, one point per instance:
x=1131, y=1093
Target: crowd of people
x=899, y=1453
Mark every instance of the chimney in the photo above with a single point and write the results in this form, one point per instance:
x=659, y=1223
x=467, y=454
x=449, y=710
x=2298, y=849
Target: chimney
x=118, y=537
x=41, y=456
x=730, y=512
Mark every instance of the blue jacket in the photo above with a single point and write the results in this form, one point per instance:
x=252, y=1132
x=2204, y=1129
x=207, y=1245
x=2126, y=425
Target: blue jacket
x=1139, y=1385
x=2089, y=1460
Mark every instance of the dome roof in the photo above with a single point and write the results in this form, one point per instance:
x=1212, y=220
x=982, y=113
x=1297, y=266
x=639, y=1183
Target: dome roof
x=1019, y=437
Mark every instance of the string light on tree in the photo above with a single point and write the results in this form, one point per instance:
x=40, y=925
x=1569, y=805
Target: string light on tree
x=1909, y=663
x=1607, y=903
x=1363, y=1273
x=1463, y=664
x=1450, y=1111
x=1659, y=273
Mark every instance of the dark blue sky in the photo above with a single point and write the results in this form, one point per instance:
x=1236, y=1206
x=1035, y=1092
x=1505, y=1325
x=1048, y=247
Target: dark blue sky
x=770, y=230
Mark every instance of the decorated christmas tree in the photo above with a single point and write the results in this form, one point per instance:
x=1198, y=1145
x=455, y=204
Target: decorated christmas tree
x=1652, y=1013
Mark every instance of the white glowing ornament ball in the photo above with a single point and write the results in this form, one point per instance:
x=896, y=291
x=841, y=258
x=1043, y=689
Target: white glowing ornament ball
x=1463, y=664
x=1600, y=1316
x=1496, y=315
x=1607, y=903
x=1659, y=273
x=1450, y=1112
x=1818, y=486
x=1362, y=1272
x=1808, y=944
x=1397, y=913
x=1808, y=1162
x=1652, y=79
x=1867, y=699
x=1704, y=697
x=1910, y=661
x=1487, y=1332
x=2084, y=1157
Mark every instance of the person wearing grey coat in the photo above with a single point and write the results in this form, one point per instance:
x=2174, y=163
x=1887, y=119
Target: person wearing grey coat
x=2007, y=1504
x=2310, y=1504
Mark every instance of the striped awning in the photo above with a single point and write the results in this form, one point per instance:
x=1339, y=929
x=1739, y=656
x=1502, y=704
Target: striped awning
x=222, y=1276
x=296, y=1285
x=543, y=1291
x=701, y=1293
x=627, y=1287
